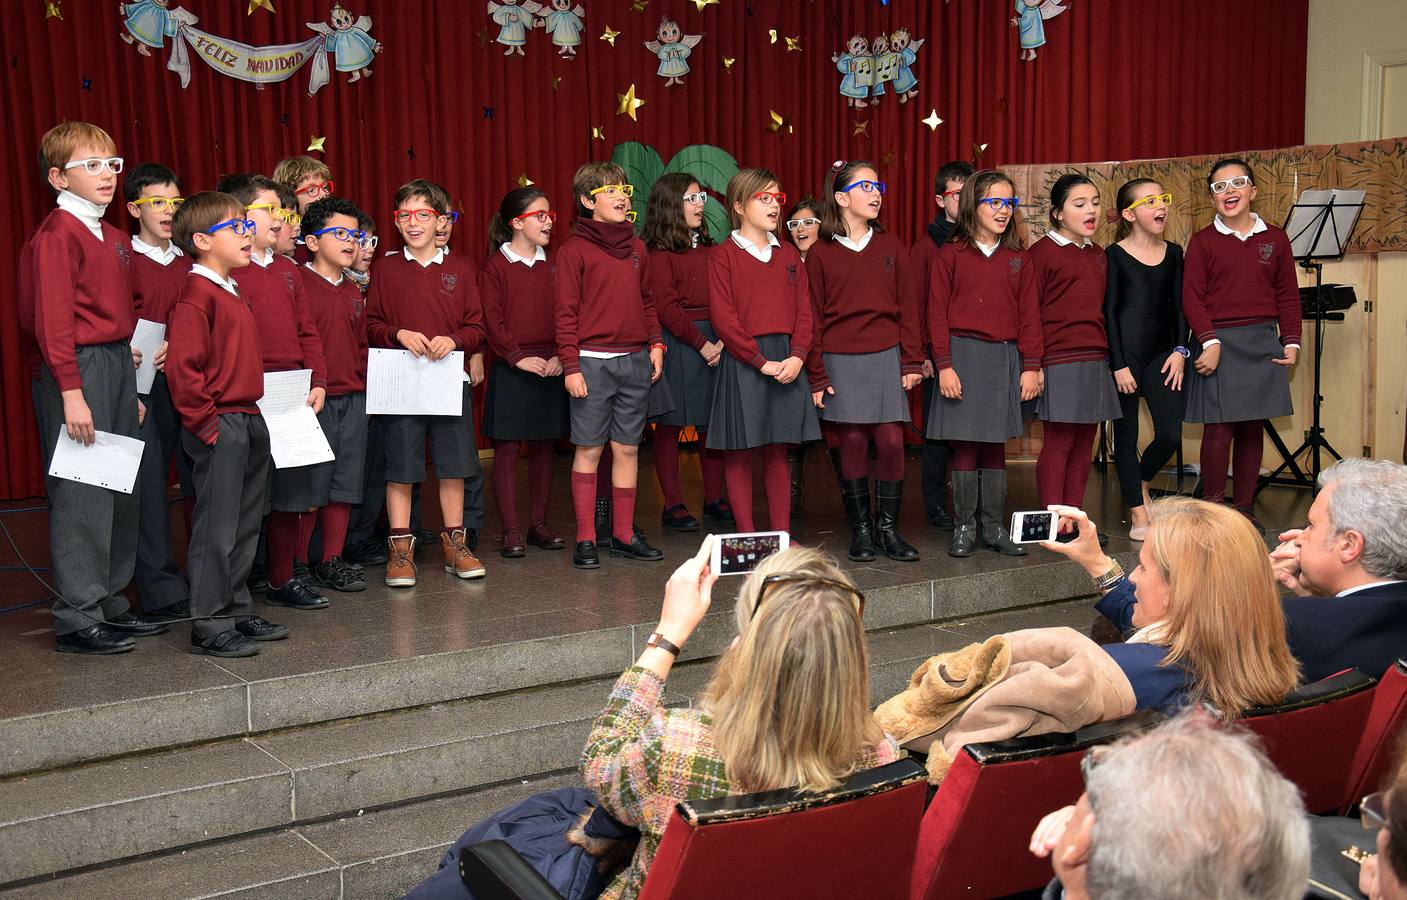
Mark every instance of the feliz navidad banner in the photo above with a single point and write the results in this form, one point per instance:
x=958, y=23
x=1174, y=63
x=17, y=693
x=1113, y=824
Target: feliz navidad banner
x=148, y=23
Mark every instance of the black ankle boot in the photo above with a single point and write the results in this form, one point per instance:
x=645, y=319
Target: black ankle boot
x=855, y=492
x=994, y=533
x=964, y=515
x=888, y=495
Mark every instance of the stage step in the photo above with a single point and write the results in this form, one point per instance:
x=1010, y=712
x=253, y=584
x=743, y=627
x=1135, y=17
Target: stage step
x=111, y=810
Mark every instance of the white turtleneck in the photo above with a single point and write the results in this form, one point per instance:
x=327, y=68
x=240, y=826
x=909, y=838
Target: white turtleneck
x=87, y=212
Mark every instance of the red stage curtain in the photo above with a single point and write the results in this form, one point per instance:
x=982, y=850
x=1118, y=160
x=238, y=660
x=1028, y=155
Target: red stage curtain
x=1116, y=80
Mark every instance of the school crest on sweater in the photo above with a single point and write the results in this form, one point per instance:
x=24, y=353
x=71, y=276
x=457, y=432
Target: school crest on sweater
x=1015, y=264
x=124, y=254
x=889, y=264
x=288, y=280
x=448, y=281
x=791, y=273
x=1267, y=249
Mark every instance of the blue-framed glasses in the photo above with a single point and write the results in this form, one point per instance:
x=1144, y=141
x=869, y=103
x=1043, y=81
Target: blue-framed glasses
x=869, y=187
x=340, y=233
x=453, y=217
x=238, y=226
x=1002, y=202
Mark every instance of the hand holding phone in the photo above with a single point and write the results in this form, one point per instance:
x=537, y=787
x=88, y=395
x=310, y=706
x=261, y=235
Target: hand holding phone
x=1034, y=527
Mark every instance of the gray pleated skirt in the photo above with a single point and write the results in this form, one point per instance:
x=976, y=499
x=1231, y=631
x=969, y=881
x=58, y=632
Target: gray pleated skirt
x=868, y=388
x=990, y=408
x=660, y=401
x=1081, y=393
x=752, y=410
x=690, y=381
x=1246, y=385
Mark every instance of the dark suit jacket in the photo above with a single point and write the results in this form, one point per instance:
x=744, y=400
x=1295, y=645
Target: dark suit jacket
x=1367, y=630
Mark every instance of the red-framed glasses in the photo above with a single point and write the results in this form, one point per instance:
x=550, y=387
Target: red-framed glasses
x=316, y=189
x=769, y=198
x=543, y=216
x=424, y=216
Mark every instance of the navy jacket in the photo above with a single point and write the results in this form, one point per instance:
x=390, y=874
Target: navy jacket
x=1367, y=630
x=1156, y=685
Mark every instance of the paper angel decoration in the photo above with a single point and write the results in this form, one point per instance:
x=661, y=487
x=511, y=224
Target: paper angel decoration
x=1030, y=16
x=565, y=25
x=149, y=23
x=515, y=19
x=857, y=66
x=673, y=49
x=349, y=42
x=905, y=81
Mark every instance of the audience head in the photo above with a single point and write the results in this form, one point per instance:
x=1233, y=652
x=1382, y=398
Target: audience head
x=1357, y=531
x=74, y=142
x=1187, y=810
x=603, y=192
x=947, y=186
x=211, y=228
x=525, y=211
x=852, y=189
x=674, y=214
x=1204, y=580
x=790, y=699
x=804, y=223
x=1385, y=876
x=987, y=210
x=1151, y=212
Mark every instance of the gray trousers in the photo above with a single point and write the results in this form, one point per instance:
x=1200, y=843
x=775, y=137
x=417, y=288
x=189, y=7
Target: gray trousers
x=159, y=580
x=231, y=485
x=92, y=530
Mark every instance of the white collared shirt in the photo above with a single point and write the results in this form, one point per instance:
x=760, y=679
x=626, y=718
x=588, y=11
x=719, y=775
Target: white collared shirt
x=1364, y=587
x=158, y=255
x=987, y=249
x=844, y=240
x=764, y=254
x=310, y=268
x=435, y=260
x=539, y=254
x=205, y=272
x=1258, y=225
x=1062, y=241
x=262, y=260
x=87, y=212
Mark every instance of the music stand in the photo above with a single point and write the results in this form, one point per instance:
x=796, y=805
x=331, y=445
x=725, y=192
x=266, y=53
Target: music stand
x=1319, y=226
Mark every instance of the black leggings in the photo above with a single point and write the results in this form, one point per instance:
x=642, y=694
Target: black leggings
x=1166, y=407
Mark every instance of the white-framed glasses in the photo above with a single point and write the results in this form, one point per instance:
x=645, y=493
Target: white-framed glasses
x=94, y=165
x=797, y=224
x=1237, y=183
x=368, y=241
x=696, y=197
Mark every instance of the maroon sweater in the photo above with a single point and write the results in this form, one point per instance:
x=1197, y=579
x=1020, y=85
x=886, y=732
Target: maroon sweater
x=749, y=298
x=158, y=285
x=862, y=303
x=1071, y=281
x=679, y=287
x=213, y=364
x=989, y=298
x=287, y=336
x=603, y=301
x=1228, y=282
x=81, y=292
x=339, y=313
x=438, y=299
x=518, y=307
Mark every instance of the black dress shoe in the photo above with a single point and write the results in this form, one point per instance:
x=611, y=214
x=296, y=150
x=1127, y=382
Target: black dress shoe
x=229, y=644
x=424, y=537
x=96, y=640
x=940, y=519
x=258, y=580
x=677, y=518
x=339, y=575
x=176, y=612
x=367, y=552
x=636, y=549
x=137, y=626
x=297, y=594
x=258, y=629
x=543, y=537
x=585, y=555
x=719, y=511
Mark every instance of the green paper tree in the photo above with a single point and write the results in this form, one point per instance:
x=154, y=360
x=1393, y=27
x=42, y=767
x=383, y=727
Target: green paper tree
x=712, y=166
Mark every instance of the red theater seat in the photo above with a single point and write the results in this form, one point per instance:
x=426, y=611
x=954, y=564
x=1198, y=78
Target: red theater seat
x=1313, y=735
x=1382, y=735
x=975, y=834
x=855, y=841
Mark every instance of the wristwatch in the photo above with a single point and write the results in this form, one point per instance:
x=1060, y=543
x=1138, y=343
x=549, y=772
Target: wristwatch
x=1112, y=576
x=658, y=640
x=1182, y=351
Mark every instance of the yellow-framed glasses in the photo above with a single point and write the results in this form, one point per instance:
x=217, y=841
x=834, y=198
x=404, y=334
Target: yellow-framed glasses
x=631, y=215
x=284, y=214
x=611, y=189
x=161, y=204
x=1163, y=199
x=272, y=209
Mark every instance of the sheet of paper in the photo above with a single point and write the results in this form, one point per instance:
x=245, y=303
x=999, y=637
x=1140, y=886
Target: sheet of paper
x=109, y=462
x=295, y=437
x=401, y=383
x=147, y=338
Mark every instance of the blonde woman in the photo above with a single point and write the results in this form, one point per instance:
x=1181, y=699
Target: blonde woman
x=788, y=705
x=1201, y=612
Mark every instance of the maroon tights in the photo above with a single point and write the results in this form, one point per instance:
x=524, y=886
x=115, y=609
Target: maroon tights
x=667, y=467
x=1216, y=452
x=505, y=481
x=776, y=476
x=1062, y=469
x=969, y=456
x=855, y=440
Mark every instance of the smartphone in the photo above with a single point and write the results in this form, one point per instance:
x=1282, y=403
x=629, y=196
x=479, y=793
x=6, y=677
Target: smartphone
x=1034, y=526
x=739, y=554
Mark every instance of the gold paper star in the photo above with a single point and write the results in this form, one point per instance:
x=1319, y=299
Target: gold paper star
x=978, y=149
x=700, y=4
x=639, y=5
x=525, y=181
x=483, y=37
x=862, y=128
x=259, y=4
x=315, y=144
x=629, y=103
x=932, y=121
x=728, y=63
x=887, y=158
x=779, y=123
x=610, y=36
x=598, y=133
x=794, y=44
x=771, y=35
x=52, y=11
x=556, y=80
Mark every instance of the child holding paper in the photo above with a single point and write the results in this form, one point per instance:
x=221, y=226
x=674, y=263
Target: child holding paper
x=427, y=303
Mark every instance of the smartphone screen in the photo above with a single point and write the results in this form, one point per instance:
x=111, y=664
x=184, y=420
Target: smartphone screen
x=739, y=554
x=1035, y=527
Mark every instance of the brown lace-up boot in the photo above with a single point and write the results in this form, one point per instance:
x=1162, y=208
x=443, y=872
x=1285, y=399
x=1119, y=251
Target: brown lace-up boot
x=459, y=559
x=400, y=563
